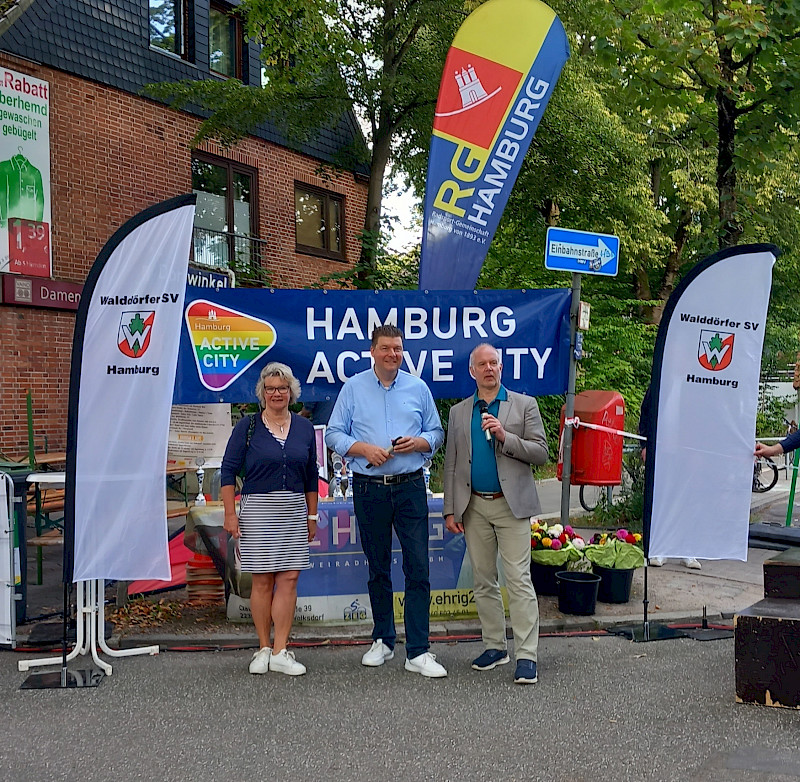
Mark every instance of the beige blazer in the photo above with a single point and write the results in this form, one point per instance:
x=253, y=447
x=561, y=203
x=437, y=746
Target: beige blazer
x=525, y=445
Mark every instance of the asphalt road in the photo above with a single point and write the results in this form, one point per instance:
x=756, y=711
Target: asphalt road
x=604, y=709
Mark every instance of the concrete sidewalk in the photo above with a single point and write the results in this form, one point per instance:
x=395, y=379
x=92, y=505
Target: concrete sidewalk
x=675, y=594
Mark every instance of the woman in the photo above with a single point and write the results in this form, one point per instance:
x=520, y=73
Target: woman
x=278, y=510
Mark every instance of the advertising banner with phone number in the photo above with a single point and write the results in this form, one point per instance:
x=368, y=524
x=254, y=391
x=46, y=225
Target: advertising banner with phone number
x=334, y=589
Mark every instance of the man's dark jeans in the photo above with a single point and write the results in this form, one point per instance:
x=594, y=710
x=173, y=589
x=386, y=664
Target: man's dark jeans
x=404, y=506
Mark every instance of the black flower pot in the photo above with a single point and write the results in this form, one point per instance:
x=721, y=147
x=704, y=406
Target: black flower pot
x=544, y=578
x=577, y=592
x=615, y=585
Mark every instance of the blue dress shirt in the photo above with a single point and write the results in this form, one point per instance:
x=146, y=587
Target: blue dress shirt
x=367, y=412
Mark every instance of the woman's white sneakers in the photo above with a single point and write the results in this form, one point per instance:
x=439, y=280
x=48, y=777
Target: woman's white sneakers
x=260, y=661
x=284, y=662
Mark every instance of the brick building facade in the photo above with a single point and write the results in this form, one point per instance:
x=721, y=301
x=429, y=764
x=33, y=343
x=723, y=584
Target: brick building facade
x=114, y=152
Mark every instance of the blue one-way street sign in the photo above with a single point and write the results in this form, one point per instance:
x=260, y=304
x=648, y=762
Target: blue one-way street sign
x=568, y=250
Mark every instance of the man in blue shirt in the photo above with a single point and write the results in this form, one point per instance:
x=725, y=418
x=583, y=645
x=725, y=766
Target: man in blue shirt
x=493, y=438
x=386, y=422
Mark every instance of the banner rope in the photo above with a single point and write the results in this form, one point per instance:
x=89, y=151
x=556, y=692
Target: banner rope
x=577, y=423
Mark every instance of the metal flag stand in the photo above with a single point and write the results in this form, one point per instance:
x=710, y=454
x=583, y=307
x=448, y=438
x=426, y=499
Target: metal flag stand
x=90, y=633
x=649, y=631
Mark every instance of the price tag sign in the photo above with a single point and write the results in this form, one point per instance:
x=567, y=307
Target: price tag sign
x=29, y=247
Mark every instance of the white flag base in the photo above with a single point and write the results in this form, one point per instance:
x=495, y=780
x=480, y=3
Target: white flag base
x=90, y=632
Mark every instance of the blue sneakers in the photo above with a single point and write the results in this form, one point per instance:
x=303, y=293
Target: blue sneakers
x=491, y=658
x=526, y=672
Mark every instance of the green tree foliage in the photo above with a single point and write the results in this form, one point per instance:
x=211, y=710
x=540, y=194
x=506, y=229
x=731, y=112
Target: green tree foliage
x=728, y=67
x=325, y=58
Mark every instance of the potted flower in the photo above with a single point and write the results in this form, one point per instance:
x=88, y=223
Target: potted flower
x=553, y=547
x=614, y=557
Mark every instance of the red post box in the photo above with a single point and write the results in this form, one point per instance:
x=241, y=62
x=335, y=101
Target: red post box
x=596, y=456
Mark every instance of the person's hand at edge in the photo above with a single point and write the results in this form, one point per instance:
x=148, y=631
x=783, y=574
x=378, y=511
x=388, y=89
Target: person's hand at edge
x=768, y=450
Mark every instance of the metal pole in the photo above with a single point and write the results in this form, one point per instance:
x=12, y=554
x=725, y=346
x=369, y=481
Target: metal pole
x=790, y=507
x=566, y=469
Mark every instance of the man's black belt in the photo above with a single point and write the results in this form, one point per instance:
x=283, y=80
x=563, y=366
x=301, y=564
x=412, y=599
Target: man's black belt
x=387, y=480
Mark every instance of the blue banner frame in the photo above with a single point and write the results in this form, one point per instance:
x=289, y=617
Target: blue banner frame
x=228, y=336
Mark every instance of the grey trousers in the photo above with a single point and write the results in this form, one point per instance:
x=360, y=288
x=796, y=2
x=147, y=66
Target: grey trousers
x=490, y=528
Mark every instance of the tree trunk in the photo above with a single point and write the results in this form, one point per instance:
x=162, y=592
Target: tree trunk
x=381, y=146
x=730, y=229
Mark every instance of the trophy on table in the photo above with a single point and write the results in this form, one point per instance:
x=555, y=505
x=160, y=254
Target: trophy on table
x=201, y=498
x=426, y=474
x=337, y=464
x=348, y=492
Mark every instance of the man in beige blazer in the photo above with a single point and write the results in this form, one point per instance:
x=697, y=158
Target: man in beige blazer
x=493, y=438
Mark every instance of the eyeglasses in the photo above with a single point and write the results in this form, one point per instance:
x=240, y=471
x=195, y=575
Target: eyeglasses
x=268, y=391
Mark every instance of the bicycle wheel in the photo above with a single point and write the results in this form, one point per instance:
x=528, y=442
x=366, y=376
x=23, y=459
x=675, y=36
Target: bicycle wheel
x=765, y=475
x=590, y=496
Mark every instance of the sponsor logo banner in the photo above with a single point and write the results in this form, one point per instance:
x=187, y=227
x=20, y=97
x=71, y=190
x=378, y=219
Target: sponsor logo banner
x=121, y=380
x=498, y=78
x=230, y=335
x=706, y=371
x=332, y=591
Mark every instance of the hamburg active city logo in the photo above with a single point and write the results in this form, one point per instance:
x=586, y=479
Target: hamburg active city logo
x=715, y=350
x=135, y=328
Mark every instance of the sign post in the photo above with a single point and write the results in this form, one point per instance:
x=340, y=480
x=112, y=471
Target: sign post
x=579, y=252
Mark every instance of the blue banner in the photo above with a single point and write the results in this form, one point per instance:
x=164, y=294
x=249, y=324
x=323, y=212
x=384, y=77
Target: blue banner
x=228, y=336
x=498, y=78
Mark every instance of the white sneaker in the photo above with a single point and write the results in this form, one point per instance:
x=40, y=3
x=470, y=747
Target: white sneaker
x=426, y=665
x=377, y=655
x=260, y=661
x=692, y=563
x=655, y=561
x=284, y=662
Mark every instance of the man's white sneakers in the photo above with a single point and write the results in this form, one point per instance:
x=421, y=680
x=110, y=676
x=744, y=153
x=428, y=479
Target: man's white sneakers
x=426, y=665
x=377, y=655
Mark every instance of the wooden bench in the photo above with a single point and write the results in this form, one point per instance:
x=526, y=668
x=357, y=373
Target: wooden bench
x=51, y=502
x=53, y=537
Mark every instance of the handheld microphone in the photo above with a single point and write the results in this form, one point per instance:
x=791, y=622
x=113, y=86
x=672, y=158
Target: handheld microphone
x=484, y=410
x=390, y=450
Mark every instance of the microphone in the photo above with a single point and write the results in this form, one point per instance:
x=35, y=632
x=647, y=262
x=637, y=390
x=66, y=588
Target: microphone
x=390, y=450
x=484, y=408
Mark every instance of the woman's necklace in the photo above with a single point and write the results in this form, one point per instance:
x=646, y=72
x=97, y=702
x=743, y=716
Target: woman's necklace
x=269, y=424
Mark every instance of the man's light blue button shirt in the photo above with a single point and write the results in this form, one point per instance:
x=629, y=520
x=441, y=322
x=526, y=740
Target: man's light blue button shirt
x=367, y=412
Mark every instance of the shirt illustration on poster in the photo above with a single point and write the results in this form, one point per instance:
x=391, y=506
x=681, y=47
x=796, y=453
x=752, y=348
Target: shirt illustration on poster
x=21, y=193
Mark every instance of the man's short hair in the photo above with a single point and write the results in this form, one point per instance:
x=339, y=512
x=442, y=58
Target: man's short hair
x=385, y=331
x=484, y=345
